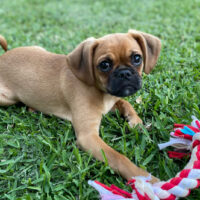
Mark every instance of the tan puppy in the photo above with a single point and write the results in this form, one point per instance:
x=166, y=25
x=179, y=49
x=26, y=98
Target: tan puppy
x=83, y=85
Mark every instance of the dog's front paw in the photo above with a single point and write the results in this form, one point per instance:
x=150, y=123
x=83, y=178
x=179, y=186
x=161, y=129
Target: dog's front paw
x=154, y=180
x=133, y=121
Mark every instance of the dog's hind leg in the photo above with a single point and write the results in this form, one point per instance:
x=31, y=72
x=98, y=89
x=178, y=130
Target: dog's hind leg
x=6, y=96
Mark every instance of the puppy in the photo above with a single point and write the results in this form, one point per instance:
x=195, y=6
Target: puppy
x=83, y=85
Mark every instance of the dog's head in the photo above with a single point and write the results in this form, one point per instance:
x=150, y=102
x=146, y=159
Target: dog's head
x=114, y=63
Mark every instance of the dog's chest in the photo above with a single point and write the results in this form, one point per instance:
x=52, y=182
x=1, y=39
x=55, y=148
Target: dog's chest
x=108, y=102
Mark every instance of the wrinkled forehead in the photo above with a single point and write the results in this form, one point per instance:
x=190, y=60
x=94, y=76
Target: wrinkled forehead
x=117, y=46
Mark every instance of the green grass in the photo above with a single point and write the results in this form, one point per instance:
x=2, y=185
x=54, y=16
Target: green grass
x=38, y=154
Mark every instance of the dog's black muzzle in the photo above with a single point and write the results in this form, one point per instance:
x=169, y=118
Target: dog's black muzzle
x=124, y=82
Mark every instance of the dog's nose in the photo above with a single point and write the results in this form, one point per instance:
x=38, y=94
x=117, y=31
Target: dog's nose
x=125, y=74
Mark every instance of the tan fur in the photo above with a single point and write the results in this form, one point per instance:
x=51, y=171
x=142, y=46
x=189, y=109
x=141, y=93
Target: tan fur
x=150, y=45
x=71, y=87
x=3, y=43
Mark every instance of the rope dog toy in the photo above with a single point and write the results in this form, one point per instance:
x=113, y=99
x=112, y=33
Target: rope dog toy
x=184, y=137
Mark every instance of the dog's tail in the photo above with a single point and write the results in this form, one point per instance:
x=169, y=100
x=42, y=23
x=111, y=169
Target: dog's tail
x=3, y=43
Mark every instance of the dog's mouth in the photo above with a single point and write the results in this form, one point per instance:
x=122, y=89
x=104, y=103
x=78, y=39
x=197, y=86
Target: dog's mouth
x=127, y=91
x=124, y=82
x=124, y=91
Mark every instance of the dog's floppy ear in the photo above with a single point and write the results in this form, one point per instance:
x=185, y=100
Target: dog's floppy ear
x=150, y=46
x=80, y=60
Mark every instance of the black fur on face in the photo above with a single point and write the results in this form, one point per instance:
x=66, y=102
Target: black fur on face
x=124, y=81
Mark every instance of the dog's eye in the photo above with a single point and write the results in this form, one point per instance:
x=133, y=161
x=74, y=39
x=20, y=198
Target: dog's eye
x=136, y=59
x=105, y=66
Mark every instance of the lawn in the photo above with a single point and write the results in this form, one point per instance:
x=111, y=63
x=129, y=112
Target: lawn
x=38, y=154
